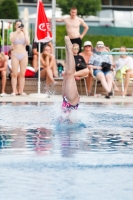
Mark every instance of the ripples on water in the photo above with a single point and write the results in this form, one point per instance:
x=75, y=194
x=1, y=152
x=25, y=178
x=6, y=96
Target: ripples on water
x=41, y=159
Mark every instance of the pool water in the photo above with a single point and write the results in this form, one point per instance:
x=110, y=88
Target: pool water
x=41, y=158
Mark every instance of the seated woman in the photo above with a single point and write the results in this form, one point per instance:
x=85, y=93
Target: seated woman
x=127, y=62
x=69, y=88
x=96, y=62
x=35, y=47
x=47, y=66
x=81, y=67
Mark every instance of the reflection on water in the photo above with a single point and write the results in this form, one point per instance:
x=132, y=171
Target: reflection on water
x=68, y=143
x=41, y=159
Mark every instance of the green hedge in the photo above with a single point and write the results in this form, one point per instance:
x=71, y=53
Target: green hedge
x=111, y=41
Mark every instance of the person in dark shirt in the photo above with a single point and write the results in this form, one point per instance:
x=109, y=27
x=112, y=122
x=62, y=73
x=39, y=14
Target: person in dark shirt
x=80, y=65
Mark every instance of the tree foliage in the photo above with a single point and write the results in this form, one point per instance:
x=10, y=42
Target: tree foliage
x=84, y=7
x=8, y=9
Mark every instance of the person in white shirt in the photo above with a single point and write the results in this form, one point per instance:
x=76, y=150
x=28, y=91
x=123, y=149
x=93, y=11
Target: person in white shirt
x=127, y=61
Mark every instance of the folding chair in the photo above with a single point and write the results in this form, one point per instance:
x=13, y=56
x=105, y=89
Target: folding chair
x=84, y=78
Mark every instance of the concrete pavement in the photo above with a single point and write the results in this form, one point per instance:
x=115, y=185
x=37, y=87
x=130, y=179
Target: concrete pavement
x=58, y=98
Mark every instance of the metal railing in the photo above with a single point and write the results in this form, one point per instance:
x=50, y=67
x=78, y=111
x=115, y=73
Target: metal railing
x=60, y=53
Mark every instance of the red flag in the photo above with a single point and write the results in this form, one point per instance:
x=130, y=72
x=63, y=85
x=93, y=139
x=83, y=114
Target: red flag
x=42, y=29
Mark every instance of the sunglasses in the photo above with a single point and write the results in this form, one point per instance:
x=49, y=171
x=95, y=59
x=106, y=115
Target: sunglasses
x=75, y=48
x=100, y=46
x=88, y=46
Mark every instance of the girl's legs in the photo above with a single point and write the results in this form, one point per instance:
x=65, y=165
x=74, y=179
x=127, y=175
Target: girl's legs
x=101, y=77
x=15, y=65
x=18, y=83
x=69, y=88
x=89, y=81
x=109, y=79
x=23, y=65
x=54, y=68
x=49, y=75
x=129, y=73
x=43, y=73
x=82, y=72
x=115, y=86
x=3, y=75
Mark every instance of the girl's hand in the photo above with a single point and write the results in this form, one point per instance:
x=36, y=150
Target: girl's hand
x=23, y=30
x=18, y=30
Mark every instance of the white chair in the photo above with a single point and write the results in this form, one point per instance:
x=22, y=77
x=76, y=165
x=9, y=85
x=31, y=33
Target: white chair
x=84, y=79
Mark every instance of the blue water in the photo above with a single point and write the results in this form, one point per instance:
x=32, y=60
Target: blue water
x=88, y=160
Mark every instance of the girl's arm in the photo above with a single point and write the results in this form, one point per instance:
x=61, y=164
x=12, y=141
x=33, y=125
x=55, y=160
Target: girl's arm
x=14, y=34
x=94, y=67
x=45, y=62
x=26, y=36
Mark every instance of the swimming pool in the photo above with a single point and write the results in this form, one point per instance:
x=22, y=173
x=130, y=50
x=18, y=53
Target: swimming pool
x=41, y=159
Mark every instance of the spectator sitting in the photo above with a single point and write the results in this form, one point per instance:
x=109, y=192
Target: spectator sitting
x=86, y=54
x=125, y=63
x=35, y=48
x=3, y=67
x=96, y=63
x=81, y=67
x=47, y=66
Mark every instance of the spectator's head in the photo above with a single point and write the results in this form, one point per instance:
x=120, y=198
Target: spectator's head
x=100, y=46
x=88, y=46
x=47, y=48
x=46, y=51
x=18, y=23
x=73, y=11
x=2, y=59
x=75, y=49
x=123, y=49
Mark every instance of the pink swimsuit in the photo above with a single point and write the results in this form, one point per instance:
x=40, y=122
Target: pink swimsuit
x=67, y=107
x=19, y=56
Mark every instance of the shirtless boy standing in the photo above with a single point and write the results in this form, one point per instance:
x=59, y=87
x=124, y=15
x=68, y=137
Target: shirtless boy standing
x=73, y=27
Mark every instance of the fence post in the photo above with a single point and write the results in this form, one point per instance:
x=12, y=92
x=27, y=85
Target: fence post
x=54, y=24
x=3, y=37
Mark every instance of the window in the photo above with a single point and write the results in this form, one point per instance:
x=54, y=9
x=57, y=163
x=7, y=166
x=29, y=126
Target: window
x=105, y=2
x=34, y=1
x=115, y=2
x=121, y=2
x=131, y=2
x=123, y=18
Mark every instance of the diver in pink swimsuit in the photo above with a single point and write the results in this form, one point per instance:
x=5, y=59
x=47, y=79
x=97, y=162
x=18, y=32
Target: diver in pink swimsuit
x=19, y=40
x=69, y=88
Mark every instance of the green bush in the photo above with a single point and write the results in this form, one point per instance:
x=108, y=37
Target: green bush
x=8, y=9
x=111, y=41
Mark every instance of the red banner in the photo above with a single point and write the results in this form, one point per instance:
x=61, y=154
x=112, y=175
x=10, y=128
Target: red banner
x=42, y=28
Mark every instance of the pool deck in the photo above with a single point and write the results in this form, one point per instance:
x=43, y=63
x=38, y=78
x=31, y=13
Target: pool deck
x=58, y=98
